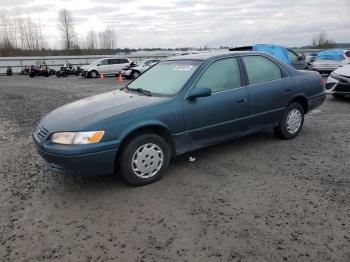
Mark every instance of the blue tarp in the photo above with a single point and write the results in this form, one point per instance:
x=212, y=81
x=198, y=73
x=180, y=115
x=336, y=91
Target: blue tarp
x=277, y=51
x=336, y=55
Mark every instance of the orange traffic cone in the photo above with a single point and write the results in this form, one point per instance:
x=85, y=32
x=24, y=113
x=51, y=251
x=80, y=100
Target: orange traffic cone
x=102, y=76
x=120, y=78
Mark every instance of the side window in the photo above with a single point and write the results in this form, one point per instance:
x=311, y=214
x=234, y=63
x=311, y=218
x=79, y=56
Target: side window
x=261, y=69
x=221, y=75
x=123, y=61
x=292, y=56
x=112, y=61
x=104, y=62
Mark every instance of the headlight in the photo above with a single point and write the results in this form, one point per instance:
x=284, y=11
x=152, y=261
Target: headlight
x=77, y=138
x=334, y=75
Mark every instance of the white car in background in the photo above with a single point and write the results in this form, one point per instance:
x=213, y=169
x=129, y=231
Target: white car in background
x=135, y=70
x=338, y=83
x=329, y=60
x=105, y=66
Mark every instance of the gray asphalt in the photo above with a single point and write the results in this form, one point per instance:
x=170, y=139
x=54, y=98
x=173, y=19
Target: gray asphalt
x=257, y=198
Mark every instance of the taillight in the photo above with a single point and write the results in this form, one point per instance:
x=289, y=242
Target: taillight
x=323, y=82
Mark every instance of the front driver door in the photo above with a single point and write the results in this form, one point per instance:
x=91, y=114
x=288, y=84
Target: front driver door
x=223, y=114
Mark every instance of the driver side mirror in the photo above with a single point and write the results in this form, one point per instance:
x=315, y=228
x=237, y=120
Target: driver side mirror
x=98, y=64
x=199, y=92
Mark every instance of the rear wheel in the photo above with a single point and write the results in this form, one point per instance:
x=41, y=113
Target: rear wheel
x=291, y=122
x=144, y=159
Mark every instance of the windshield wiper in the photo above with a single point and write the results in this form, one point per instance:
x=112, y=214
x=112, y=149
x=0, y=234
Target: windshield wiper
x=140, y=90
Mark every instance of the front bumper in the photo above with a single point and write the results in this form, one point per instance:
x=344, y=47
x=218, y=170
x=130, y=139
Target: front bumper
x=89, y=160
x=93, y=164
x=339, y=86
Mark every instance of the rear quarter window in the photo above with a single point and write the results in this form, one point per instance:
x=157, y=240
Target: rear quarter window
x=261, y=69
x=123, y=61
x=112, y=61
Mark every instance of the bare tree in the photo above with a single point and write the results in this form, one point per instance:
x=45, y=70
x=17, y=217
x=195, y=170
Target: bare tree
x=91, y=40
x=66, y=26
x=8, y=32
x=30, y=34
x=321, y=41
x=108, y=39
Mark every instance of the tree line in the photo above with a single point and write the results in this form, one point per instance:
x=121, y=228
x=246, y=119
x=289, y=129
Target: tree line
x=22, y=35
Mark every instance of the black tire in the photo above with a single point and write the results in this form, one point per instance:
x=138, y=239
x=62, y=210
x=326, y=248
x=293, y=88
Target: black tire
x=337, y=96
x=135, y=74
x=31, y=75
x=282, y=129
x=94, y=74
x=125, y=161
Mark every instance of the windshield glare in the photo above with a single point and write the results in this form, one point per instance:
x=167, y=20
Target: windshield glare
x=167, y=77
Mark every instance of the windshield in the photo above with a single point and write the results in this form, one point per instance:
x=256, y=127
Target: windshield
x=167, y=77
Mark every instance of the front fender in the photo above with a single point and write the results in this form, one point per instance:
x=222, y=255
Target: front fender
x=144, y=124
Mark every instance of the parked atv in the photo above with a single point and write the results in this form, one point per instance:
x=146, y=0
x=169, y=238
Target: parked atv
x=25, y=70
x=39, y=71
x=68, y=69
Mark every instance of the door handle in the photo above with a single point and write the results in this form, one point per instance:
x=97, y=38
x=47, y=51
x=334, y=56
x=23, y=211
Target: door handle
x=242, y=100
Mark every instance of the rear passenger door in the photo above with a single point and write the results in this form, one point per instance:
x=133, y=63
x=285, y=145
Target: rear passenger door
x=269, y=90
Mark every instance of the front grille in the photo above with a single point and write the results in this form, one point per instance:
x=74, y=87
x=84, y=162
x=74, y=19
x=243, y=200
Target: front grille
x=329, y=85
x=343, y=88
x=41, y=133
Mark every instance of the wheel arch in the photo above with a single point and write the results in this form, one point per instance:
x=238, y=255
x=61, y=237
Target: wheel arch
x=94, y=70
x=302, y=100
x=150, y=128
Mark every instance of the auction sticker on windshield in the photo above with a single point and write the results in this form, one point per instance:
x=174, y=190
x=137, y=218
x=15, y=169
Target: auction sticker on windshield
x=182, y=68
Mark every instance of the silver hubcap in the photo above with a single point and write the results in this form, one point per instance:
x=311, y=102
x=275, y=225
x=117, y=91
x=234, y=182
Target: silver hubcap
x=294, y=121
x=136, y=74
x=93, y=74
x=147, y=160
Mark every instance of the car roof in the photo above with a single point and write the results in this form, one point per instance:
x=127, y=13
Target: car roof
x=205, y=56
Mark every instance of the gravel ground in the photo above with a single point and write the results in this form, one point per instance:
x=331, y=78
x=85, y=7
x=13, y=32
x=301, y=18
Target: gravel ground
x=253, y=199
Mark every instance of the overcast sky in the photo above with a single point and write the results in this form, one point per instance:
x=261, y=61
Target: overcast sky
x=179, y=23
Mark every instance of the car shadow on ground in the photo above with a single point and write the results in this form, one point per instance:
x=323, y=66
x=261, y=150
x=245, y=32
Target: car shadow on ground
x=114, y=181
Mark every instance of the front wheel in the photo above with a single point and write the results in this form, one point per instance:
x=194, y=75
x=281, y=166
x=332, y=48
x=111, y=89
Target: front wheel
x=135, y=74
x=145, y=159
x=291, y=122
x=94, y=74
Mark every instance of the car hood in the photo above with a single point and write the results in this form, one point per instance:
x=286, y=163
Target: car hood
x=86, y=112
x=344, y=70
x=87, y=67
